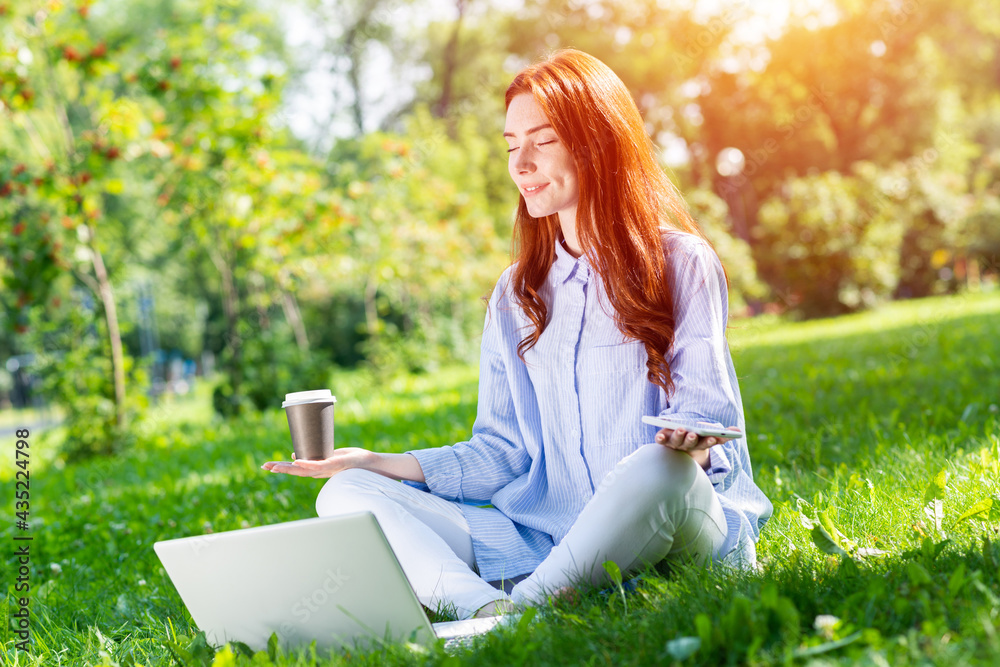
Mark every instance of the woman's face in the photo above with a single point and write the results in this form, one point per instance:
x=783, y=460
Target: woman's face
x=540, y=164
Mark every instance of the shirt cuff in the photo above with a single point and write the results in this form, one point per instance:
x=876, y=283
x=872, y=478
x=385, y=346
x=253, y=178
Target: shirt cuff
x=718, y=465
x=442, y=471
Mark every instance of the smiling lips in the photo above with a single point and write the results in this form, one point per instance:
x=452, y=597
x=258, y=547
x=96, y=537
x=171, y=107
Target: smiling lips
x=532, y=189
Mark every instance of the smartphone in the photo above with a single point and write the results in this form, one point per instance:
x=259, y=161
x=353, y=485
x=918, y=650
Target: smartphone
x=701, y=429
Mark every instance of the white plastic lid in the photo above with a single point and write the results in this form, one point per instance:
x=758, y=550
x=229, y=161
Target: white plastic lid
x=314, y=396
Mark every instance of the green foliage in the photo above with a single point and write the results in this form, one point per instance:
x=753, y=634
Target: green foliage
x=74, y=367
x=824, y=249
x=832, y=243
x=418, y=242
x=615, y=574
x=164, y=88
x=271, y=366
x=747, y=624
x=934, y=215
x=144, y=140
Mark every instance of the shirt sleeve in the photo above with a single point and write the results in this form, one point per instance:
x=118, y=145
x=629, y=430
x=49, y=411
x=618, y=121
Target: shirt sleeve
x=495, y=455
x=699, y=365
x=706, y=389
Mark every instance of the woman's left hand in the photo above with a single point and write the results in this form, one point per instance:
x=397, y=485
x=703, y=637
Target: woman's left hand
x=687, y=441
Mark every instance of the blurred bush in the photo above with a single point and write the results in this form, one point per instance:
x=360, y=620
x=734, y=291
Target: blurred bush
x=832, y=243
x=74, y=367
x=271, y=366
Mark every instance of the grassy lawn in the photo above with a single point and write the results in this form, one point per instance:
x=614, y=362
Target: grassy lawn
x=877, y=435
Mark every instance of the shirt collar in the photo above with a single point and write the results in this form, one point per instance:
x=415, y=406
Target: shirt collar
x=566, y=266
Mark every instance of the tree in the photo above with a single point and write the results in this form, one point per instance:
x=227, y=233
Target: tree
x=65, y=134
x=188, y=109
x=231, y=185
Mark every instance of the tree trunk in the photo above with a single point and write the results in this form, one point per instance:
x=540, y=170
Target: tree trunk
x=111, y=315
x=259, y=297
x=972, y=276
x=231, y=308
x=371, y=308
x=354, y=46
x=449, y=65
x=294, y=317
x=354, y=77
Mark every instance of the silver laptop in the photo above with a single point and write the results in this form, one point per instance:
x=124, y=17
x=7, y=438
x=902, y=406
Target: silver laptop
x=334, y=580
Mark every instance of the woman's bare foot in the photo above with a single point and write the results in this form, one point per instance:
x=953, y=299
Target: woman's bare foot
x=567, y=595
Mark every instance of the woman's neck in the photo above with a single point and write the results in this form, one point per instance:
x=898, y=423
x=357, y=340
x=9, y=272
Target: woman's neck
x=567, y=224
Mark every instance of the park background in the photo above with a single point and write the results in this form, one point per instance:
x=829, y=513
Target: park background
x=205, y=204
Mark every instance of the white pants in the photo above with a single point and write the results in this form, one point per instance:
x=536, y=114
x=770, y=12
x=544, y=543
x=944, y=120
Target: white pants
x=656, y=503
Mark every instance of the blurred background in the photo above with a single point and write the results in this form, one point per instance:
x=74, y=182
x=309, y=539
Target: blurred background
x=248, y=194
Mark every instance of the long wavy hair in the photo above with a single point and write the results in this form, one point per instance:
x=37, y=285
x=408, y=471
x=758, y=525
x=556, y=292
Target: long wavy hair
x=625, y=197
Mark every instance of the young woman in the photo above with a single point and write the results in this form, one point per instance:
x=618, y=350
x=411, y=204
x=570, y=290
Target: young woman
x=615, y=307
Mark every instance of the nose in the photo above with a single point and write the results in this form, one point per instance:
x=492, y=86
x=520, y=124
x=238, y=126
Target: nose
x=524, y=161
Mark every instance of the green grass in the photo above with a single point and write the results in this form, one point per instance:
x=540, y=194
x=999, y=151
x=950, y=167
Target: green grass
x=850, y=422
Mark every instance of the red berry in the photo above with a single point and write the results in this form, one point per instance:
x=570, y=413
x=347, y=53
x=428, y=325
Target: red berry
x=18, y=228
x=175, y=62
x=19, y=169
x=99, y=51
x=113, y=152
x=70, y=54
x=163, y=85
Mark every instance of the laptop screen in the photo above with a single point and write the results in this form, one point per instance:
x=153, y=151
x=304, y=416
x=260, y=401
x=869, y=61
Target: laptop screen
x=334, y=580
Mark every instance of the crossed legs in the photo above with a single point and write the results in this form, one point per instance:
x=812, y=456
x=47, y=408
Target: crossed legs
x=656, y=503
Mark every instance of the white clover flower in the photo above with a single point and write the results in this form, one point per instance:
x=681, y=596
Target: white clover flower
x=825, y=624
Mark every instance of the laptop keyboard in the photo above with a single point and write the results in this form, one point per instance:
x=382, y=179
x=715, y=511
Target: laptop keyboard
x=460, y=634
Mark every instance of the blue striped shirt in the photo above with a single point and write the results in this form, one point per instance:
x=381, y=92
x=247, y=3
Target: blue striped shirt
x=550, y=428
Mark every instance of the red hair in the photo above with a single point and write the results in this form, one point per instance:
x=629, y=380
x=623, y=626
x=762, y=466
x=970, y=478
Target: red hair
x=625, y=197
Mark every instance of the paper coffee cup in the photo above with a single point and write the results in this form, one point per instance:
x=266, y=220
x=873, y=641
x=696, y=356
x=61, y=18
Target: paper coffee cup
x=310, y=421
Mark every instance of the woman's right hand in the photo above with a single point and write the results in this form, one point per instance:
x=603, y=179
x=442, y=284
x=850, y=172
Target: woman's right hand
x=342, y=459
x=395, y=466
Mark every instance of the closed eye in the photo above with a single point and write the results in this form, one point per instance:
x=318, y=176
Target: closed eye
x=541, y=143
